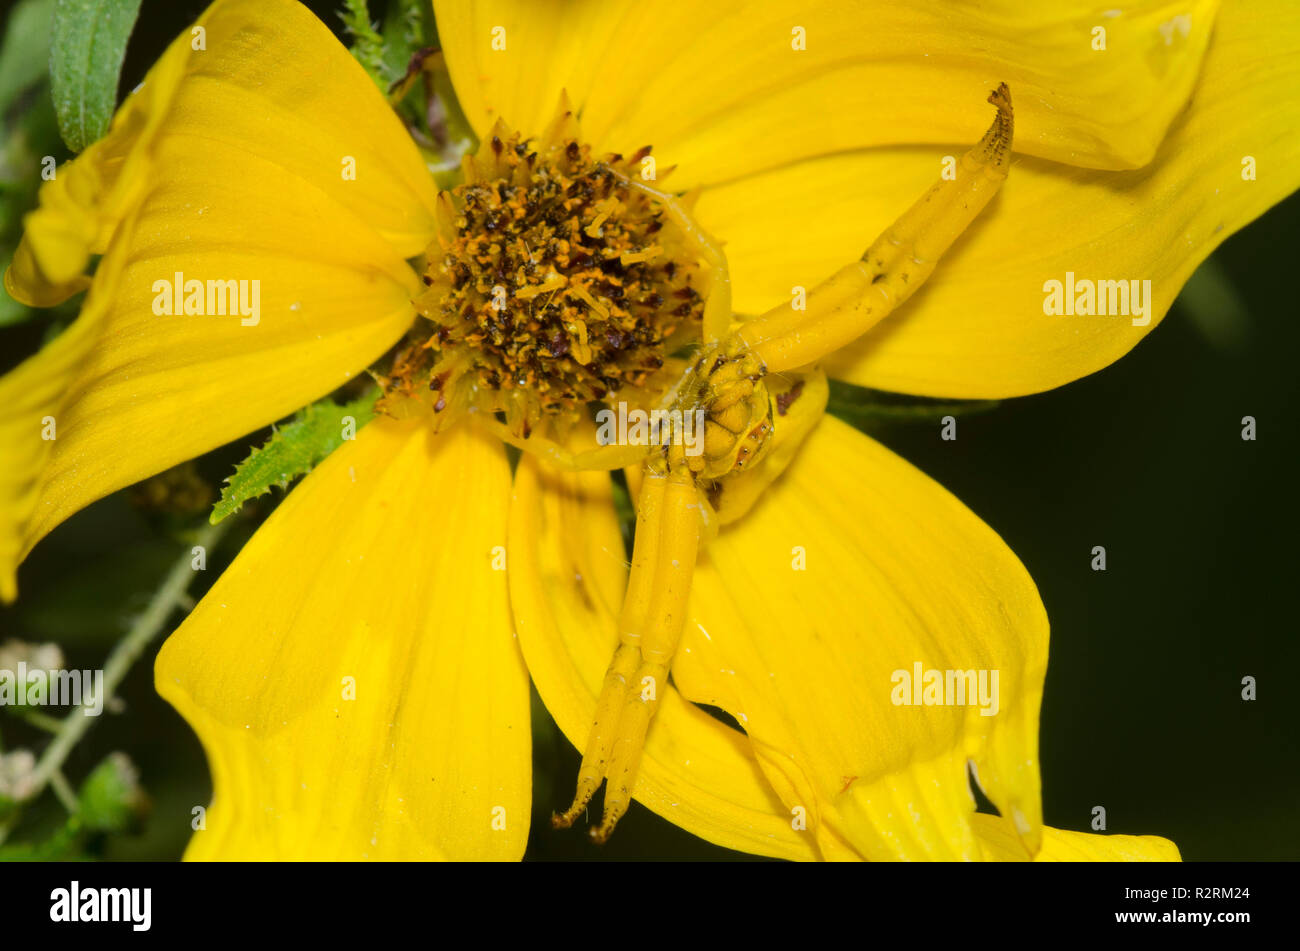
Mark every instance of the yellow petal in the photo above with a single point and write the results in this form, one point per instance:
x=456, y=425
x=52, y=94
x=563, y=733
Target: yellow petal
x=852, y=568
x=978, y=328
x=722, y=93
x=239, y=188
x=568, y=570
x=373, y=577
x=132, y=392
x=89, y=196
x=29, y=396
x=1001, y=844
x=269, y=79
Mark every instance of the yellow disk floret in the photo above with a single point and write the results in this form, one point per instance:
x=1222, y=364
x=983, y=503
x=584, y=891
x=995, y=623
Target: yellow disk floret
x=554, y=283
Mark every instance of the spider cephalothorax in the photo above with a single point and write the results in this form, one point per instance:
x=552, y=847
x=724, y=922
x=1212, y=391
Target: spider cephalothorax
x=725, y=384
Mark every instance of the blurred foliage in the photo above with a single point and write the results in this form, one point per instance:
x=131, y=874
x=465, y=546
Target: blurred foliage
x=28, y=131
x=867, y=408
x=24, y=56
x=111, y=799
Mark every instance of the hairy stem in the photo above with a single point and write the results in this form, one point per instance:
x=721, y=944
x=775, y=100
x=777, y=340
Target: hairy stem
x=124, y=655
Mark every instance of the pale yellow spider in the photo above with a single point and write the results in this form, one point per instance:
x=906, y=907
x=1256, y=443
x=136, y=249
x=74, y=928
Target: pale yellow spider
x=745, y=444
x=741, y=381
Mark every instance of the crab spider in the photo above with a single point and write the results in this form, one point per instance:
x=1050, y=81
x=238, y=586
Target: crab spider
x=744, y=449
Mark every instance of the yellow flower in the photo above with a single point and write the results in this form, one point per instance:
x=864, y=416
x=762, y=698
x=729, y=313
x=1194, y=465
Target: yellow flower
x=355, y=675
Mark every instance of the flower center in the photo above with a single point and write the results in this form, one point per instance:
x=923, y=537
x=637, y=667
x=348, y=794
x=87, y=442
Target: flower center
x=557, y=280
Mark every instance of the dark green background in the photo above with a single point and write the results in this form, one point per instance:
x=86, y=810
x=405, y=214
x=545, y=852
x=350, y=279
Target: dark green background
x=1143, y=713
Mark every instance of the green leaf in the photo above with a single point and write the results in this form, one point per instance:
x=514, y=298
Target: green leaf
x=26, y=49
x=111, y=800
x=403, y=34
x=858, y=404
x=88, y=41
x=62, y=846
x=293, y=450
x=367, y=45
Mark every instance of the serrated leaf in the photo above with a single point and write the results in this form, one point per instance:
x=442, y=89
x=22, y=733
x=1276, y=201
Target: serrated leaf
x=294, y=449
x=856, y=404
x=87, y=43
x=403, y=34
x=367, y=45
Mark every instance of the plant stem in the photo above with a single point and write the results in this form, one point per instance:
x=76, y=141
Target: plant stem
x=63, y=789
x=42, y=721
x=146, y=627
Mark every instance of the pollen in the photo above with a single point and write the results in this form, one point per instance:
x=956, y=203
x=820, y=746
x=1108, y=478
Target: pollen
x=556, y=281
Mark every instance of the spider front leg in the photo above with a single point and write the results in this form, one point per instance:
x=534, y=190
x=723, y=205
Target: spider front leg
x=860, y=295
x=599, y=458
x=717, y=308
x=654, y=611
